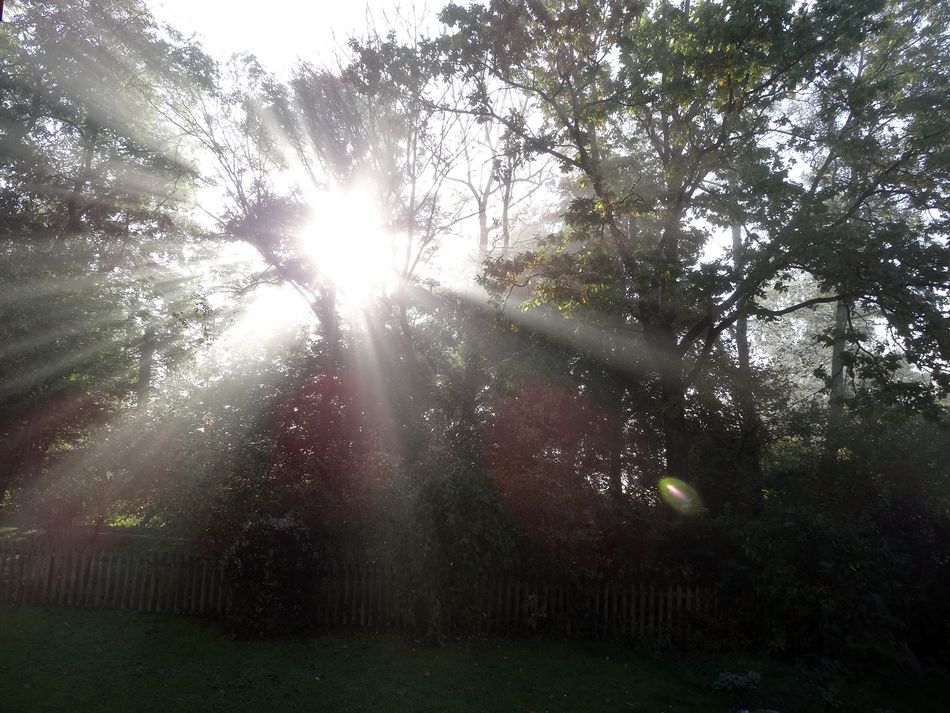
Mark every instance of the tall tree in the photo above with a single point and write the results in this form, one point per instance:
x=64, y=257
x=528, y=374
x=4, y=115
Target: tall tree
x=653, y=109
x=92, y=201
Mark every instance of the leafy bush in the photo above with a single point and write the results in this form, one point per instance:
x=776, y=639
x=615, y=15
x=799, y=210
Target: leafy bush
x=269, y=570
x=846, y=554
x=452, y=530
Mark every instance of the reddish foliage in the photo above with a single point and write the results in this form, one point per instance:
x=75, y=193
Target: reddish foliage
x=330, y=449
x=536, y=444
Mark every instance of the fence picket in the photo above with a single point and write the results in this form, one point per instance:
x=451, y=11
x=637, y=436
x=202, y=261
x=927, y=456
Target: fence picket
x=86, y=580
x=6, y=566
x=18, y=580
x=6, y=571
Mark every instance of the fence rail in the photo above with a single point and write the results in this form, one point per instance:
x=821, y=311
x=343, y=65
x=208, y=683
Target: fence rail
x=360, y=596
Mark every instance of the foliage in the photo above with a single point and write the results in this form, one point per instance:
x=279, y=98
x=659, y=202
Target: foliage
x=847, y=557
x=269, y=574
x=91, y=198
x=682, y=131
x=448, y=530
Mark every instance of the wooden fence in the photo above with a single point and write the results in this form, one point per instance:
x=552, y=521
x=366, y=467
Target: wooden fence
x=136, y=581
x=360, y=596
x=367, y=597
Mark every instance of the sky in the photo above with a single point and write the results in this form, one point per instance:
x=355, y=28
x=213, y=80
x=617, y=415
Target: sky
x=280, y=32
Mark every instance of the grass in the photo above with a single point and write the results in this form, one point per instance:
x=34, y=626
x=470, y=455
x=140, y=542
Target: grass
x=81, y=660
x=820, y=685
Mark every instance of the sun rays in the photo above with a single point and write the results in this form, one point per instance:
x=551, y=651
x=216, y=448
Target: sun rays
x=350, y=243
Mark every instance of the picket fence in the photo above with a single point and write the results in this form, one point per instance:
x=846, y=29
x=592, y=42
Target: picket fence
x=366, y=597
x=135, y=581
x=356, y=596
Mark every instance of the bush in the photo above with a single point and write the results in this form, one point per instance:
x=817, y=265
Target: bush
x=741, y=681
x=450, y=531
x=269, y=571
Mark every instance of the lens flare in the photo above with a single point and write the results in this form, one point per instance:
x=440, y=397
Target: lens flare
x=680, y=496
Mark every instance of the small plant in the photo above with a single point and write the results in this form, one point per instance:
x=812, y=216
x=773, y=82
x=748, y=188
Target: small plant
x=831, y=695
x=737, y=681
x=268, y=573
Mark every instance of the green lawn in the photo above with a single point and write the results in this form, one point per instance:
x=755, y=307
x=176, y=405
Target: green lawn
x=81, y=660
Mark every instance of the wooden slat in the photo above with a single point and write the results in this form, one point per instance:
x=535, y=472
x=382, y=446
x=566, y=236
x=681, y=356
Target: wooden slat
x=62, y=577
x=85, y=581
x=152, y=565
x=52, y=572
x=183, y=587
x=46, y=577
x=117, y=578
x=128, y=582
x=69, y=557
x=79, y=577
x=6, y=574
x=220, y=608
x=139, y=582
x=122, y=585
x=18, y=589
x=6, y=578
x=193, y=584
x=106, y=591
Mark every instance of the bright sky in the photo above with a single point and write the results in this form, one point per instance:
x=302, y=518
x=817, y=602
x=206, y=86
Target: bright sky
x=281, y=31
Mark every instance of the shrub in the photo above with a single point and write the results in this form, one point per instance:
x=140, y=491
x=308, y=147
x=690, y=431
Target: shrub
x=740, y=681
x=450, y=531
x=269, y=570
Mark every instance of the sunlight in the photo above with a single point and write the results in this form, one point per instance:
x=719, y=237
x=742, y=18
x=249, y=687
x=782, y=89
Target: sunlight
x=271, y=311
x=351, y=244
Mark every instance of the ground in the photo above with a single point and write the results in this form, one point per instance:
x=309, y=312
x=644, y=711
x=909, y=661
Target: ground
x=81, y=660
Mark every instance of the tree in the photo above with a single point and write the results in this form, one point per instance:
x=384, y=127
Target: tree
x=878, y=183
x=91, y=200
x=669, y=117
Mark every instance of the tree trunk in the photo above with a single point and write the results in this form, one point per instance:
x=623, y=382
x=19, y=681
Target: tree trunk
x=505, y=219
x=836, y=401
x=482, y=230
x=673, y=419
x=609, y=388
x=145, y=366
x=332, y=328
x=73, y=212
x=616, y=444
x=749, y=424
x=665, y=355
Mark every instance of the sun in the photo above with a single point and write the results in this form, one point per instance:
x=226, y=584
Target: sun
x=350, y=243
